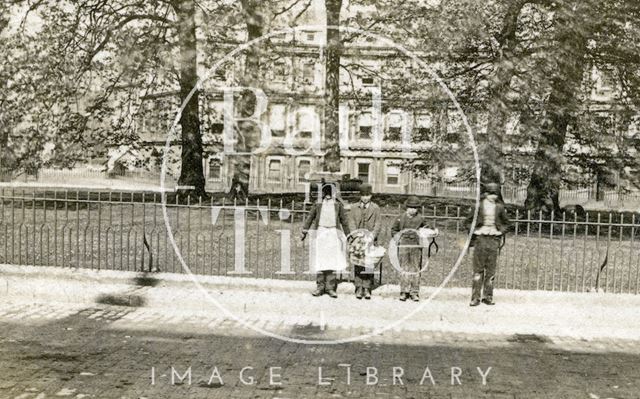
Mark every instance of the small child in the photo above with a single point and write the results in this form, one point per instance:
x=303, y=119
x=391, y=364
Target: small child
x=409, y=249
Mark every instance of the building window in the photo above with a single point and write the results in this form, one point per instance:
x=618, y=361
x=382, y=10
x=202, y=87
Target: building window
x=304, y=167
x=217, y=128
x=305, y=134
x=368, y=81
x=215, y=169
x=277, y=133
x=307, y=122
x=308, y=36
x=520, y=174
x=364, y=126
x=363, y=171
x=452, y=138
x=364, y=132
x=424, y=128
x=221, y=72
x=308, y=72
x=606, y=83
x=394, y=126
x=392, y=171
x=394, y=133
x=280, y=72
x=277, y=120
x=274, y=170
x=424, y=134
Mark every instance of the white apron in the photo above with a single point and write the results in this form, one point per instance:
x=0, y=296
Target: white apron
x=327, y=250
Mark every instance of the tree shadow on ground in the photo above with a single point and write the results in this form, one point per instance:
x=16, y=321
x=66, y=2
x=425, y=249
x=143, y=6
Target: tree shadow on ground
x=130, y=297
x=87, y=356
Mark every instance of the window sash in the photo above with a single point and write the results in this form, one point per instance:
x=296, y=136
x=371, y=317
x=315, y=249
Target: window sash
x=308, y=71
x=304, y=166
x=277, y=117
x=215, y=171
x=392, y=173
x=368, y=81
x=364, y=132
x=394, y=133
x=274, y=170
x=280, y=72
x=363, y=171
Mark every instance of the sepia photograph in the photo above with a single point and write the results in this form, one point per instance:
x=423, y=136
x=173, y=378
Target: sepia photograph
x=319, y=199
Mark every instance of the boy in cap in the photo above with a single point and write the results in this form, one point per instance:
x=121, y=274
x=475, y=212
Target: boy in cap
x=366, y=221
x=409, y=248
x=488, y=235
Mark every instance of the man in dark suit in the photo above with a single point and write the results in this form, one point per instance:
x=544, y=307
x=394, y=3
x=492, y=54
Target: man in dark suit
x=365, y=215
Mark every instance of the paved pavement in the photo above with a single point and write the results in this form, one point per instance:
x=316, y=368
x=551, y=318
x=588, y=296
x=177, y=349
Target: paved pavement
x=84, y=334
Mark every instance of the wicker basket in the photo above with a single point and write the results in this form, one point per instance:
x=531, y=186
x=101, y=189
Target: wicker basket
x=426, y=235
x=374, y=255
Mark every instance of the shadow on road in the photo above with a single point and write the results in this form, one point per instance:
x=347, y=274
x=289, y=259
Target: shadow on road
x=85, y=356
x=131, y=297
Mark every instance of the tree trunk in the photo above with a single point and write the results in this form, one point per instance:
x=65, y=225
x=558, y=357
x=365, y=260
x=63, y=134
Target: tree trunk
x=332, y=87
x=599, y=184
x=248, y=133
x=546, y=178
x=560, y=110
x=499, y=109
x=5, y=164
x=191, y=172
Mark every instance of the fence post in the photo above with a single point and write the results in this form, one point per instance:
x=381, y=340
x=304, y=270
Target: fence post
x=5, y=229
x=99, y=230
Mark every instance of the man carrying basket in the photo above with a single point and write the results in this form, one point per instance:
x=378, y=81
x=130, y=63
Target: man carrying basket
x=366, y=225
x=407, y=231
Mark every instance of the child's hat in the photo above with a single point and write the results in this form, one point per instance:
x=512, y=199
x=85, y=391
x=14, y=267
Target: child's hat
x=413, y=202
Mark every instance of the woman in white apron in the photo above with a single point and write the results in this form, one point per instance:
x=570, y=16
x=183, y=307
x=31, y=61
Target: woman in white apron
x=328, y=226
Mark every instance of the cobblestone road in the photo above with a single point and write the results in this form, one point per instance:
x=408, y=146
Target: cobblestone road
x=53, y=350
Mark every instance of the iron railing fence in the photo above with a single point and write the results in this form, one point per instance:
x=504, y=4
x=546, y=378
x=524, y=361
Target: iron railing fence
x=127, y=231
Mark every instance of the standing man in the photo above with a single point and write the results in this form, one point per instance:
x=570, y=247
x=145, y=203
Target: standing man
x=365, y=216
x=488, y=236
x=329, y=225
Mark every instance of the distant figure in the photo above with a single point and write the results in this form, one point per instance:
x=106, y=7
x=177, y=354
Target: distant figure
x=574, y=211
x=237, y=191
x=488, y=236
x=410, y=249
x=365, y=216
x=328, y=223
